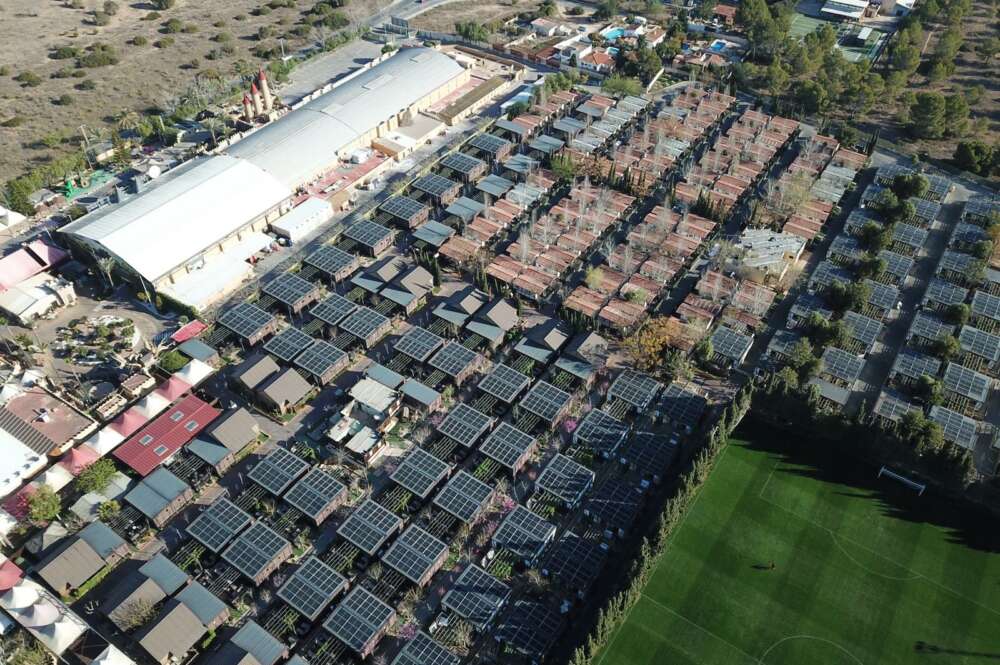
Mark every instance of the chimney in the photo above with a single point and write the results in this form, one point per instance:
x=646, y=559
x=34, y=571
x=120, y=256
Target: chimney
x=255, y=96
x=247, y=108
x=265, y=89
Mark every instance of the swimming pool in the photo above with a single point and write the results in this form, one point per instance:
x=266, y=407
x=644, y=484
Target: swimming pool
x=718, y=46
x=611, y=34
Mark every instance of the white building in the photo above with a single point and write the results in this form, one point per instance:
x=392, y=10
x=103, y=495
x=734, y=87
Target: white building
x=303, y=219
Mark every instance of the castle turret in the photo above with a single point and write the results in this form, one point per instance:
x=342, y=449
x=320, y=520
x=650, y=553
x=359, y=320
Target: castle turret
x=265, y=90
x=247, y=108
x=258, y=108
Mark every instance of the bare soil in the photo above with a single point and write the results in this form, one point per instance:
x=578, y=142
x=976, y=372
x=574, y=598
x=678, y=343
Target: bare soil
x=444, y=17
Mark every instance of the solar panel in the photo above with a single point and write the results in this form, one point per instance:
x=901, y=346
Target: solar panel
x=363, y=322
x=489, y=143
x=926, y=211
x=287, y=344
x=545, y=401
x=418, y=343
x=614, y=505
x=601, y=432
x=420, y=472
x=863, y=329
x=246, y=320
x=957, y=262
x=636, y=388
x=476, y=596
x=565, y=479
x=465, y=497
x=980, y=343
x=368, y=233
x=944, y=293
x=651, y=454
x=958, y=429
x=331, y=260
x=682, y=406
x=967, y=234
x=218, y=524
x=403, y=207
x=882, y=296
x=505, y=383
x=369, y=526
x=462, y=163
x=906, y=234
x=278, y=471
x=465, y=425
x=845, y=246
x=423, y=650
x=333, y=309
x=841, y=364
x=288, y=288
x=979, y=209
x=575, y=562
x=896, y=264
x=255, y=549
x=312, y=587
x=359, y=619
x=928, y=326
x=913, y=365
x=966, y=382
x=893, y=406
x=826, y=273
x=315, y=492
x=454, y=359
x=530, y=628
x=730, y=344
x=434, y=184
x=507, y=444
x=523, y=533
x=320, y=357
x=415, y=554
x=986, y=304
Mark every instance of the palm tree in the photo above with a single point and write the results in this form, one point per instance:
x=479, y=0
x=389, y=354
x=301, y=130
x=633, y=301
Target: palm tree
x=107, y=265
x=212, y=125
x=127, y=121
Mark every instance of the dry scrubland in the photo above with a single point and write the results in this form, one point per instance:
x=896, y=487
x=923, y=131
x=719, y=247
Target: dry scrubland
x=145, y=76
x=444, y=17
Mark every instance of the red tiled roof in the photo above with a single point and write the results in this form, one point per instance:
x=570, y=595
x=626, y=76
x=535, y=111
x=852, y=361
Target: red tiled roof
x=78, y=459
x=188, y=330
x=162, y=437
x=173, y=388
x=129, y=421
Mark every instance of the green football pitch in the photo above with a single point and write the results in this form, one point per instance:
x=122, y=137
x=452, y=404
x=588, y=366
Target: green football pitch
x=865, y=571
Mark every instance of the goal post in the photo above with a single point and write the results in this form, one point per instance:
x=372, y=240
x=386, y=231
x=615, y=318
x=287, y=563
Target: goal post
x=912, y=484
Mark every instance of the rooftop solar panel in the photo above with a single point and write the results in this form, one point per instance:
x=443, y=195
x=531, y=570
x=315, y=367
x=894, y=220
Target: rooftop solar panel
x=957, y=262
x=730, y=344
x=331, y=260
x=882, y=296
x=464, y=497
x=320, y=357
x=896, y=264
x=913, y=365
x=893, y=406
x=958, y=429
x=312, y=587
x=967, y=383
x=505, y=383
x=565, y=479
x=288, y=288
x=415, y=554
x=359, y=619
x=842, y=365
x=315, y=491
x=462, y=163
x=287, y=344
x=423, y=650
x=454, y=359
x=845, y=246
x=614, y=505
x=507, y=444
x=530, y=628
x=476, y=596
x=465, y=425
x=635, y=388
x=367, y=233
x=363, y=322
x=523, y=533
x=980, y=343
x=986, y=304
x=601, y=432
x=967, y=234
x=489, y=143
x=218, y=524
x=863, y=329
x=333, y=309
x=434, y=184
x=245, y=319
x=929, y=326
x=369, y=526
x=681, y=405
x=906, y=234
x=418, y=343
x=420, y=472
x=278, y=471
x=403, y=207
x=826, y=273
x=255, y=549
x=545, y=401
x=651, y=454
x=926, y=211
x=575, y=562
x=944, y=293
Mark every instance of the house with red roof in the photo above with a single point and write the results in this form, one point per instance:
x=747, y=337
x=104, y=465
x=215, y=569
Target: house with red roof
x=157, y=441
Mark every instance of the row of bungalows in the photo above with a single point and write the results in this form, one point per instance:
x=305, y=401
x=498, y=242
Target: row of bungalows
x=603, y=120
x=741, y=304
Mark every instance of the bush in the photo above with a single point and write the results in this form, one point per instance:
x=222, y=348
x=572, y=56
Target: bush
x=64, y=52
x=164, y=42
x=151, y=16
x=264, y=32
x=240, y=17
x=44, y=505
x=110, y=7
x=86, y=84
x=13, y=121
x=262, y=11
x=28, y=79
x=163, y=4
x=64, y=99
x=63, y=73
x=219, y=24
x=139, y=40
x=575, y=10
x=190, y=29
x=172, y=26
x=4, y=70
x=101, y=18
x=171, y=361
x=97, y=476
x=223, y=37
x=98, y=55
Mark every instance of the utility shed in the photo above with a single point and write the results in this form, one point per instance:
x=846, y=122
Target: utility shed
x=159, y=496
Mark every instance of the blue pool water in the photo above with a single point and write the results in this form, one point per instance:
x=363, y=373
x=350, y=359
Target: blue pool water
x=718, y=47
x=611, y=34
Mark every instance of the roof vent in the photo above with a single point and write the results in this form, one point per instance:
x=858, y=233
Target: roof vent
x=377, y=82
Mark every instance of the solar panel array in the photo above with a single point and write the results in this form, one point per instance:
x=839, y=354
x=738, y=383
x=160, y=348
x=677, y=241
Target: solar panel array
x=565, y=479
x=505, y=383
x=415, y=553
x=601, y=432
x=914, y=365
x=650, y=453
x=218, y=524
x=731, y=344
x=369, y=526
x=489, y=143
x=635, y=388
x=418, y=343
x=966, y=382
x=333, y=309
x=845, y=246
x=896, y=264
x=506, y=444
x=683, y=406
x=246, y=319
x=614, y=505
x=958, y=262
x=945, y=293
x=967, y=234
x=524, y=533
x=575, y=562
x=320, y=357
x=545, y=401
x=958, y=429
x=986, y=304
x=454, y=359
x=278, y=471
x=423, y=650
x=315, y=491
x=465, y=497
x=462, y=163
x=330, y=259
x=255, y=549
x=863, y=329
x=359, y=619
x=826, y=273
x=363, y=322
x=882, y=296
x=909, y=235
x=403, y=207
x=433, y=184
x=531, y=628
x=420, y=472
x=312, y=587
x=465, y=425
x=288, y=288
x=977, y=342
x=929, y=326
x=925, y=210
x=287, y=344
x=476, y=596
x=841, y=364
x=892, y=406
x=367, y=233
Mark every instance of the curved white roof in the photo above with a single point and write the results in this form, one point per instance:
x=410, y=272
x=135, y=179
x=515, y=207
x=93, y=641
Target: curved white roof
x=305, y=142
x=182, y=213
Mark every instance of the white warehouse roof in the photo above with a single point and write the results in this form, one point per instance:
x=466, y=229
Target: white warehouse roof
x=302, y=144
x=182, y=214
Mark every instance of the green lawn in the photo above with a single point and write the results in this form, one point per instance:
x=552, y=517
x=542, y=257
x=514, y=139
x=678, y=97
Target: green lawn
x=865, y=571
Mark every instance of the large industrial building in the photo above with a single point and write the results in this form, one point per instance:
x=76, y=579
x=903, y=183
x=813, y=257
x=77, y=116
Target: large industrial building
x=189, y=233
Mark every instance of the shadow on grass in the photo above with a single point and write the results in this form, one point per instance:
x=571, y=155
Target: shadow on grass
x=967, y=523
